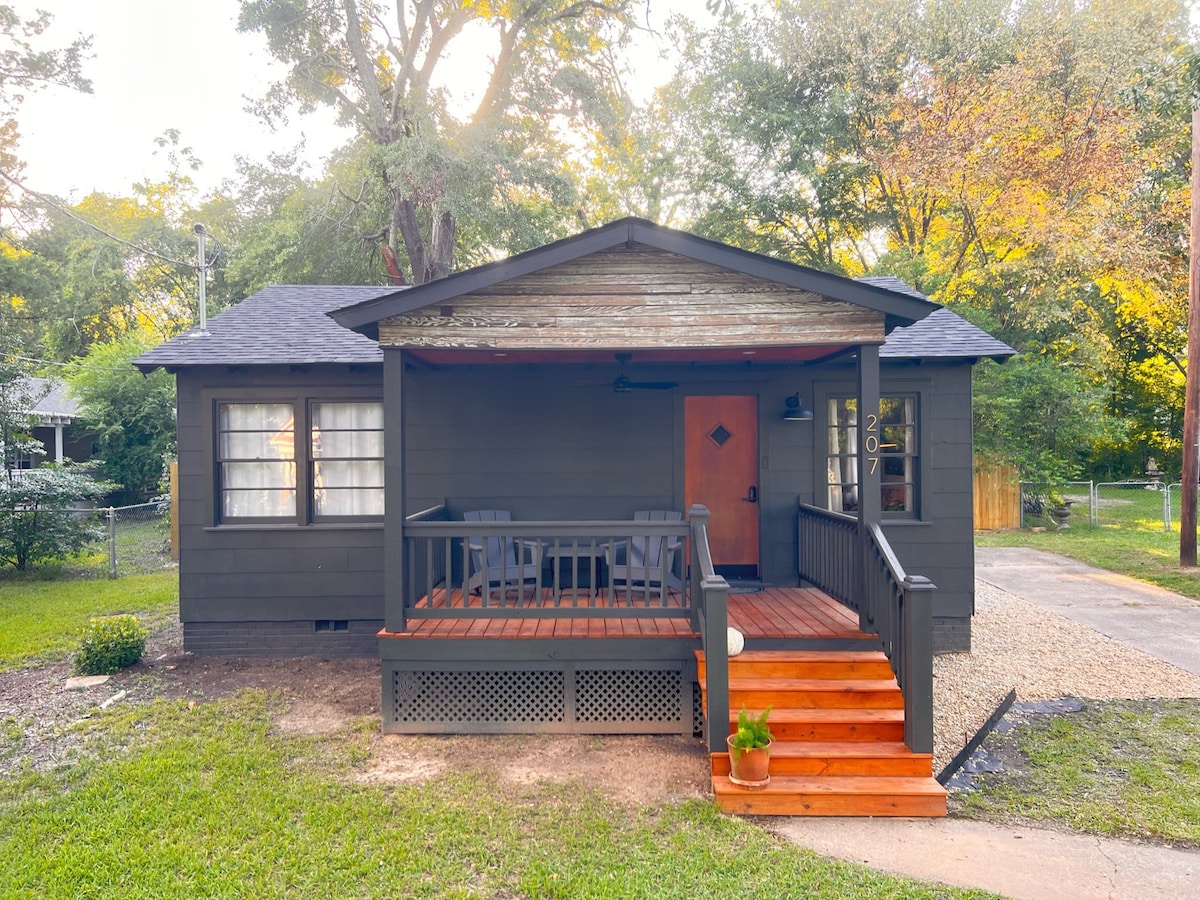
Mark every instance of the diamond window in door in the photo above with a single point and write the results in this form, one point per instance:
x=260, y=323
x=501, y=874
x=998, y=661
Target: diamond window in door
x=720, y=435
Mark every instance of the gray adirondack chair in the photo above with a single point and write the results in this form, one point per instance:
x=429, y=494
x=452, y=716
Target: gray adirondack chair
x=646, y=563
x=501, y=562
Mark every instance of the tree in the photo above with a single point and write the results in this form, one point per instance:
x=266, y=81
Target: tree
x=38, y=521
x=18, y=396
x=132, y=415
x=1041, y=415
x=25, y=66
x=445, y=174
x=117, y=264
x=1019, y=161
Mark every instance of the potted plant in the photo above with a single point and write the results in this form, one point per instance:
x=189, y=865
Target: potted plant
x=1060, y=509
x=750, y=750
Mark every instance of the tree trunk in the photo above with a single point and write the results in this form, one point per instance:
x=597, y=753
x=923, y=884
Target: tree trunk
x=442, y=258
x=405, y=224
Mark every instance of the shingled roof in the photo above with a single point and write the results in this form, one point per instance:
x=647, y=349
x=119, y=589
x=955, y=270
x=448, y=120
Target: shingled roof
x=290, y=325
x=55, y=406
x=284, y=324
x=940, y=335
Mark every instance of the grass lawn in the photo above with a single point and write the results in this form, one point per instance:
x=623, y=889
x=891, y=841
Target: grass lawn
x=1120, y=768
x=1140, y=552
x=43, y=619
x=210, y=801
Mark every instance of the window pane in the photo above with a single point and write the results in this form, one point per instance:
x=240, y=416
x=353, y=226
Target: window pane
x=347, y=416
x=897, y=497
x=257, y=445
x=343, y=444
x=258, y=504
x=349, y=502
x=842, y=440
x=348, y=473
x=240, y=475
x=897, y=439
x=895, y=410
x=256, y=417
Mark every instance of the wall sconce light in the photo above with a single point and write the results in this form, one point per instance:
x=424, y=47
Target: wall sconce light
x=796, y=410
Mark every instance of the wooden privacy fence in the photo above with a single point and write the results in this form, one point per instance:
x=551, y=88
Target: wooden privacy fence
x=997, y=497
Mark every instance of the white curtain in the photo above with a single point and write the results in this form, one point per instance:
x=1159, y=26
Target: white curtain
x=347, y=452
x=257, y=449
x=843, y=455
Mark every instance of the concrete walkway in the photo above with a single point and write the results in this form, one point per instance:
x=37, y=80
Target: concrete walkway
x=1037, y=863
x=1153, y=619
x=1026, y=863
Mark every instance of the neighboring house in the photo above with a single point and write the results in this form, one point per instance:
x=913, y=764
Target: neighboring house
x=631, y=367
x=57, y=425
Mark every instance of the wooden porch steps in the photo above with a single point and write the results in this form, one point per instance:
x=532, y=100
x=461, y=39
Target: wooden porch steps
x=838, y=722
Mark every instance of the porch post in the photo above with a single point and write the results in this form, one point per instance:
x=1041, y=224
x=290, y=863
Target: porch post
x=393, y=489
x=716, y=659
x=869, y=464
x=917, y=638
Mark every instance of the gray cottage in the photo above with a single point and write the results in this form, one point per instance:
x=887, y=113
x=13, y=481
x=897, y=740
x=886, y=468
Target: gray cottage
x=542, y=490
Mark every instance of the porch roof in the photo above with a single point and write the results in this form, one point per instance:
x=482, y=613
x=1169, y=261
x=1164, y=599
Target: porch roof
x=55, y=406
x=292, y=324
x=505, y=289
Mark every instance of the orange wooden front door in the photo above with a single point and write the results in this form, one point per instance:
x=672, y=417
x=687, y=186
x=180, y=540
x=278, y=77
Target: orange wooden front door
x=721, y=472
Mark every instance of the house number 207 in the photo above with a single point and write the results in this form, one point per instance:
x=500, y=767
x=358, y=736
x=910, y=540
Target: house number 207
x=872, y=440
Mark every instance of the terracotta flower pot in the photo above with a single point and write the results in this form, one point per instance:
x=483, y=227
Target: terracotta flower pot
x=749, y=768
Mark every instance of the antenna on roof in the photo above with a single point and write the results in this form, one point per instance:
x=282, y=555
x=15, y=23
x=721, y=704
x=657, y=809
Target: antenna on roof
x=202, y=272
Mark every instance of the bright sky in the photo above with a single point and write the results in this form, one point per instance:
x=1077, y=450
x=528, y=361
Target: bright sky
x=160, y=64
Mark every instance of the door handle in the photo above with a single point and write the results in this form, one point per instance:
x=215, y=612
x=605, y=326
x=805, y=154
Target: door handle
x=752, y=497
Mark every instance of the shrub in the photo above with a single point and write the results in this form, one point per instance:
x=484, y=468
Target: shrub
x=38, y=521
x=110, y=643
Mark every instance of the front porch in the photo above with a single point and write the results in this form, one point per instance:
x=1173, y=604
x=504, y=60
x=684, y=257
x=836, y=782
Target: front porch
x=540, y=650
x=768, y=617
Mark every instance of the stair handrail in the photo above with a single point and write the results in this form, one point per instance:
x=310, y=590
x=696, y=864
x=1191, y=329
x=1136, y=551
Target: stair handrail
x=901, y=608
x=892, y=604
x=710, y=610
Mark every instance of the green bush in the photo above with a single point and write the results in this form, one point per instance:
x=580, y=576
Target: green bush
x=110, y=643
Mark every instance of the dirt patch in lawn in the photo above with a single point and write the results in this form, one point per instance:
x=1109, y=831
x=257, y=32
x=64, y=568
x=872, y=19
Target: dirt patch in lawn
x=325, y=696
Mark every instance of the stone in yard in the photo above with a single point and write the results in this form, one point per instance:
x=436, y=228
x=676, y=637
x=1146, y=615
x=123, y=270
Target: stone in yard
x=82, y=682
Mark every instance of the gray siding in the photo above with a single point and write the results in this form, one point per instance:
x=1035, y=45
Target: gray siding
x=940, y=543
x=546, y=442
x=261, y=590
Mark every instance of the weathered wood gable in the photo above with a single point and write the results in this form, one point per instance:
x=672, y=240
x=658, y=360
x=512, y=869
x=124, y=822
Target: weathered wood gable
x=631, y=297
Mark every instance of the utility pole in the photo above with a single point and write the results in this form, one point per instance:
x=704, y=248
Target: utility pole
x=1191, y=399
x=202, y=271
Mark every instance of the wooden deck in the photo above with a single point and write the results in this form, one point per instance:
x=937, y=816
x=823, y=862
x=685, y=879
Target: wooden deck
x=772, y=613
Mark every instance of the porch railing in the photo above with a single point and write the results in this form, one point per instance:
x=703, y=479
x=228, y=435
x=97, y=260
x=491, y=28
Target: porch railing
x=710, y=593
x=863, y=573
x=559, y=569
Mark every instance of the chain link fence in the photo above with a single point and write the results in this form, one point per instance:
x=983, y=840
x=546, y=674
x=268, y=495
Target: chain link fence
x=1146, y=504
x=125, y=540
x=138, y=538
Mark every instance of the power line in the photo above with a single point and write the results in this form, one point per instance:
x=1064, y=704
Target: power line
x=70, y=214
x=76, y=365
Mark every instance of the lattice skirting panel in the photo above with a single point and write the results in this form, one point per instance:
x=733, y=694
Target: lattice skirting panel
x=572, y=698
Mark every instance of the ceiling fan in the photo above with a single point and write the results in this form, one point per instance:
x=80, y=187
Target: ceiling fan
x=623, y=384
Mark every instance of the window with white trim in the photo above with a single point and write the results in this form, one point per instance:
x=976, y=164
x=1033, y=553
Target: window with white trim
x=299, y=462
x=897, y=458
